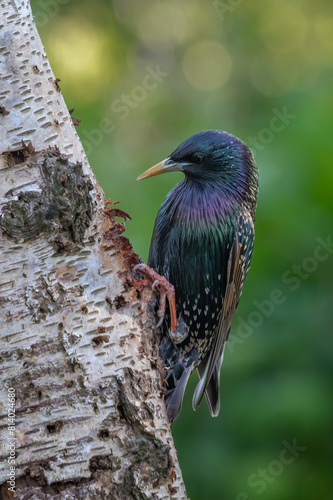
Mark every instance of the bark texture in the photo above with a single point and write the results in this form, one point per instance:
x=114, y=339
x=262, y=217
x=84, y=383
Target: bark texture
x=77, y=345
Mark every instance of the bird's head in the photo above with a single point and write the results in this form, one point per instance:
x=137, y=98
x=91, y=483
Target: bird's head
x=211, y=157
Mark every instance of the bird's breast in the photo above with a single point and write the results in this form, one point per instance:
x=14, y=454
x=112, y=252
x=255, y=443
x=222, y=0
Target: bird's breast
x=192, y=239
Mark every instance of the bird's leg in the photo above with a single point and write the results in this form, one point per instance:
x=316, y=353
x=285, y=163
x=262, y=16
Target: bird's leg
x=166, y=291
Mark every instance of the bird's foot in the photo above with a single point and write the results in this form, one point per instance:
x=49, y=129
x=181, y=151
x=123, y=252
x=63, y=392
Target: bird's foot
x=180, y=333
x=165, y=290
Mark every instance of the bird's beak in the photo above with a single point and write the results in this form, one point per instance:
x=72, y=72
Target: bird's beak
x=164, y=166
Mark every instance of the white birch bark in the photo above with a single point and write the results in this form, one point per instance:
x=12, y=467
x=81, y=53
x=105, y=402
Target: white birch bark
x=77, y=347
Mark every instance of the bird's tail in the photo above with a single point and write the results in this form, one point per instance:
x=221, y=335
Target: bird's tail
x=178, y=372
x=174, y=396
x=212, y=387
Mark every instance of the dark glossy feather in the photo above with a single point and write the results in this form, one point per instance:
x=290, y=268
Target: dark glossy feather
x=202, y=243
x=237, y=268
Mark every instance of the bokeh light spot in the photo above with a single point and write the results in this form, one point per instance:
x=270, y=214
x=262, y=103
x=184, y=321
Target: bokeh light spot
x=324, y=30
x=165, y=22
x=77, y=52
x=283, y=26
x=207, y=65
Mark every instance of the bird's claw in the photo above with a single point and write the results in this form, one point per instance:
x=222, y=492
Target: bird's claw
x=166, y=291
x=154, y=285
x=139, y=267
x=159, y=322
x=179, y=335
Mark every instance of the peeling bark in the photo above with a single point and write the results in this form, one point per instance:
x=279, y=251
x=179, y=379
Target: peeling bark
x=77, y=345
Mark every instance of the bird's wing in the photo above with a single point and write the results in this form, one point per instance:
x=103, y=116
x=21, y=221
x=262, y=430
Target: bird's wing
x=212, y=391
x=237, y=268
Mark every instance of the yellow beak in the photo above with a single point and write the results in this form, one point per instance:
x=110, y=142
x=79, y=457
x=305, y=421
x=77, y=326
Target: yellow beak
x=164, y=166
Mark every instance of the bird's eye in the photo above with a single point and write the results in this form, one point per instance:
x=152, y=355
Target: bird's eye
x=196, y=158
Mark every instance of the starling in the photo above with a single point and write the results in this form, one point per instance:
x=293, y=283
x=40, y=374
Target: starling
x=202, y=244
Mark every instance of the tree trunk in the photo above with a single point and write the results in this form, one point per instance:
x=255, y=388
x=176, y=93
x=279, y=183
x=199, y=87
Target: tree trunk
x=79, y=364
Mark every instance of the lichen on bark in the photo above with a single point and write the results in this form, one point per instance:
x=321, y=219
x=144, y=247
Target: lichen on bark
x=58, y=201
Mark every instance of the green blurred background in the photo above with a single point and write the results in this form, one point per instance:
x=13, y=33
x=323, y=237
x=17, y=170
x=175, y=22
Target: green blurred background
x=143, y=76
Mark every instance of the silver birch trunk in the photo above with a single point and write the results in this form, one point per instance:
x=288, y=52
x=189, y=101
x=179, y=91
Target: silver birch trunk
x=82, y=411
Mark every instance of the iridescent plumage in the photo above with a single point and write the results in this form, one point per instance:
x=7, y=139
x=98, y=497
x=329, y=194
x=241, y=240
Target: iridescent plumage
x=202, y=243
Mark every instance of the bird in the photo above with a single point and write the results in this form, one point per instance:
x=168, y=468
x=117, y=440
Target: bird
x=202, y=245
